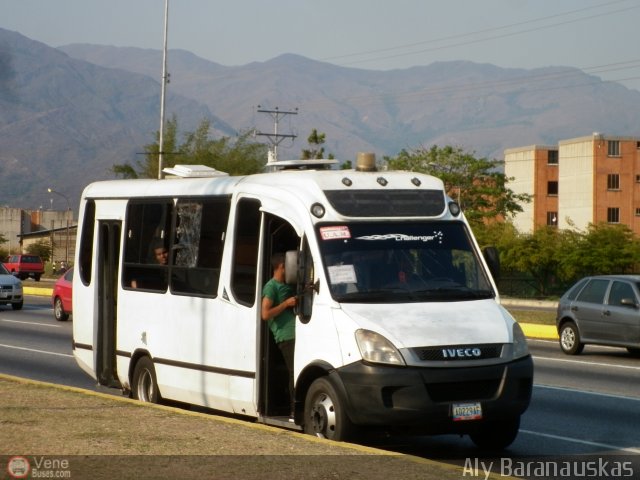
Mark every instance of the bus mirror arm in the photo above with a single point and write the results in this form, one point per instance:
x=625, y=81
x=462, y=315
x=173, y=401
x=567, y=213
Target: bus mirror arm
x=492, y=257
x=309, y=287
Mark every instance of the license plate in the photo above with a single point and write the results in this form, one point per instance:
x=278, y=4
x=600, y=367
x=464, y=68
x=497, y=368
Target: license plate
x=4, y=294
x=466, y=411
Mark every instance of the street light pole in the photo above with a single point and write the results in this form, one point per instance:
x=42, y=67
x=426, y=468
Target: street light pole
x=66, y=257
x=165, y=80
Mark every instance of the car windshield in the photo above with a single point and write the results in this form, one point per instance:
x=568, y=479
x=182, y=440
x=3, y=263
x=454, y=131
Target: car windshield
x=388, y=262
x=3, y=270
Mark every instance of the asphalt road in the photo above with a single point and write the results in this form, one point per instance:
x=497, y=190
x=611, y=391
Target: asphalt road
x=584, y=404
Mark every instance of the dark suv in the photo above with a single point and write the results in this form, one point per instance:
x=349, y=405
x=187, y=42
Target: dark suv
x=25, y=266
x=602, y=310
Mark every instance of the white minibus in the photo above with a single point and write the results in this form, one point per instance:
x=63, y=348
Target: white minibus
x=398, y=325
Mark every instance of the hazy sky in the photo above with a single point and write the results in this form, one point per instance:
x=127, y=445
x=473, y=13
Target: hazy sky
x=598, y=36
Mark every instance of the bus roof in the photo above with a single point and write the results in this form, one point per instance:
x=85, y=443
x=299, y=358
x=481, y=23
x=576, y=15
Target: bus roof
x=307, y=180
x=307, y=186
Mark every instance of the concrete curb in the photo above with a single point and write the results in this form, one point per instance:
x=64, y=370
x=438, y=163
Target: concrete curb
x=542, y=332
x=40, y=291
x=529, y=303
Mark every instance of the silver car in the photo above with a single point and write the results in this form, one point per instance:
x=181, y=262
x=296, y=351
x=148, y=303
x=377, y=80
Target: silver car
x=603, y=310
x=10, y=289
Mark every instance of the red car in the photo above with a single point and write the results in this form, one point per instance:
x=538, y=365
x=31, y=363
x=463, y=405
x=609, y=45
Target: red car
x=61, y=296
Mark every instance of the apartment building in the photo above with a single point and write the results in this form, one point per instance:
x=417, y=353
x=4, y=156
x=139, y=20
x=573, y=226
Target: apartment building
x=582, y=180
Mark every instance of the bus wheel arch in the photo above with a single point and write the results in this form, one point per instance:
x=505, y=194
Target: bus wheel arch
x=324, y=404
x=144, y=383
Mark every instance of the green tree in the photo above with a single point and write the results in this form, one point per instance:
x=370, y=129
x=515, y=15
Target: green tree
x=346, y=165
x=41, y=248
x=497, y=234
x=235, y=156
x=604, y=249
x=476, y=183
x=538, y=254
x=315, y=150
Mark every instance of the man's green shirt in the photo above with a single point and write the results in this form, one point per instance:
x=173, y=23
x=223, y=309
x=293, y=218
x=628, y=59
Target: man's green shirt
x=282, y=326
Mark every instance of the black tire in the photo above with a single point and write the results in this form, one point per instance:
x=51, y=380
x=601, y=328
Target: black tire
x=37, y=277
x=58, y=310
x=17, y=306
x=570, y=339
x=325, y=413
x=495, y=436
x=144, y=385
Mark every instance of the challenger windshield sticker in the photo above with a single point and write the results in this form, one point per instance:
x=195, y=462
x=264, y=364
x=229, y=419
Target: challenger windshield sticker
x=335, y=233
x=401, y=237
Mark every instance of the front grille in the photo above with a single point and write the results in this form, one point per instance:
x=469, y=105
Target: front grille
x=7, y=288
x=463, y=391
x=458, y=352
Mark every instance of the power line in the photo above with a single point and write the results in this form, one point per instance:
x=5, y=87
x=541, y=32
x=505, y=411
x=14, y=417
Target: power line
x=276, y=138
x=480, y=32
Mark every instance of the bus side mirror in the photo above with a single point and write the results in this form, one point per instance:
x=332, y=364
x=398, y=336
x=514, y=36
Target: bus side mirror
x=291, y=267
x=492, y=257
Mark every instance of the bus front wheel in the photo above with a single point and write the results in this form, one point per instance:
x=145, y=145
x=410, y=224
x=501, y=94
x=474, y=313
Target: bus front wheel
x=144, y=385
x=496, y=435
x=324, y=412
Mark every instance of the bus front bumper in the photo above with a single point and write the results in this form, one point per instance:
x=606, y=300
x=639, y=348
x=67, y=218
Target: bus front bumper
x=423, y=398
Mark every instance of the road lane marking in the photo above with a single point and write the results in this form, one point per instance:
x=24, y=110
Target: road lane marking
x=583, y=362
x=582, y=442
x=588, y=392
x=30, y=323
x=36, y=350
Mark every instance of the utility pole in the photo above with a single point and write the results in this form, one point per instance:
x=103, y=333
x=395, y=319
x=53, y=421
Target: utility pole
x=276, y=138
x=165, y=80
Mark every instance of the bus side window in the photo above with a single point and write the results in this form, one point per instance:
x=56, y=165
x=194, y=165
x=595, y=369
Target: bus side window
x=148, y=224
x=198, y=244
x=245, y=257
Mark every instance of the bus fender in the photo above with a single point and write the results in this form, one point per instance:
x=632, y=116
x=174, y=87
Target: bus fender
x=313, y=371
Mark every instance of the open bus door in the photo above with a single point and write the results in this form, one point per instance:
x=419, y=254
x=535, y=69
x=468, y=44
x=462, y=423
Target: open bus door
x=279, y=236
x=107, y=278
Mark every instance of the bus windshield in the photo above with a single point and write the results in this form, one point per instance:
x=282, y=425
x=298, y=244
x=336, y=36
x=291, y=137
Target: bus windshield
x=386, y=262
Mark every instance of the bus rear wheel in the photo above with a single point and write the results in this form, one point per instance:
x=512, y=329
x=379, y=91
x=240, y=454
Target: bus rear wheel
x=325, y=414
x=144, y=385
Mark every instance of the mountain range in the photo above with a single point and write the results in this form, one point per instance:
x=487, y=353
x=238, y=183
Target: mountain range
x=68, y=114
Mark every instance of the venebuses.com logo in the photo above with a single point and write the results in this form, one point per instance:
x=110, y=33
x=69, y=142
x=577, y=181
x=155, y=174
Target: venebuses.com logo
x=19, y=466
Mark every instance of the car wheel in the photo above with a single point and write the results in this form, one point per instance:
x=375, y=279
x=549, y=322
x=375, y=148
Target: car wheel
x=58, y=310
x=496, y=435
x=17, y=306
x=144, y=386
x=37, y=278
x=570, y=339
x=324, y=412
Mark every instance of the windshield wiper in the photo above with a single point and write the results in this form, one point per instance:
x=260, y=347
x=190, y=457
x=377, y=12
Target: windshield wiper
x=393, y=295
x=452, y=293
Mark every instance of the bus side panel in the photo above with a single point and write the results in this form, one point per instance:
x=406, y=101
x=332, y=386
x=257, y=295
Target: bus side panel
x=198, y=346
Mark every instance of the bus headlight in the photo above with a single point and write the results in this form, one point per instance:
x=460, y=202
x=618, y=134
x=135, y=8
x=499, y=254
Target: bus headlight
x=520, y=347
x=375, y=348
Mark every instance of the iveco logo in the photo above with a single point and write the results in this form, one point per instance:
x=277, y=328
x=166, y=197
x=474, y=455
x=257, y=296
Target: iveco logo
x=461, y=352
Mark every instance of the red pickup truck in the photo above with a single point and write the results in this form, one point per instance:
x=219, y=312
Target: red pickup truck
x=25, y=266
